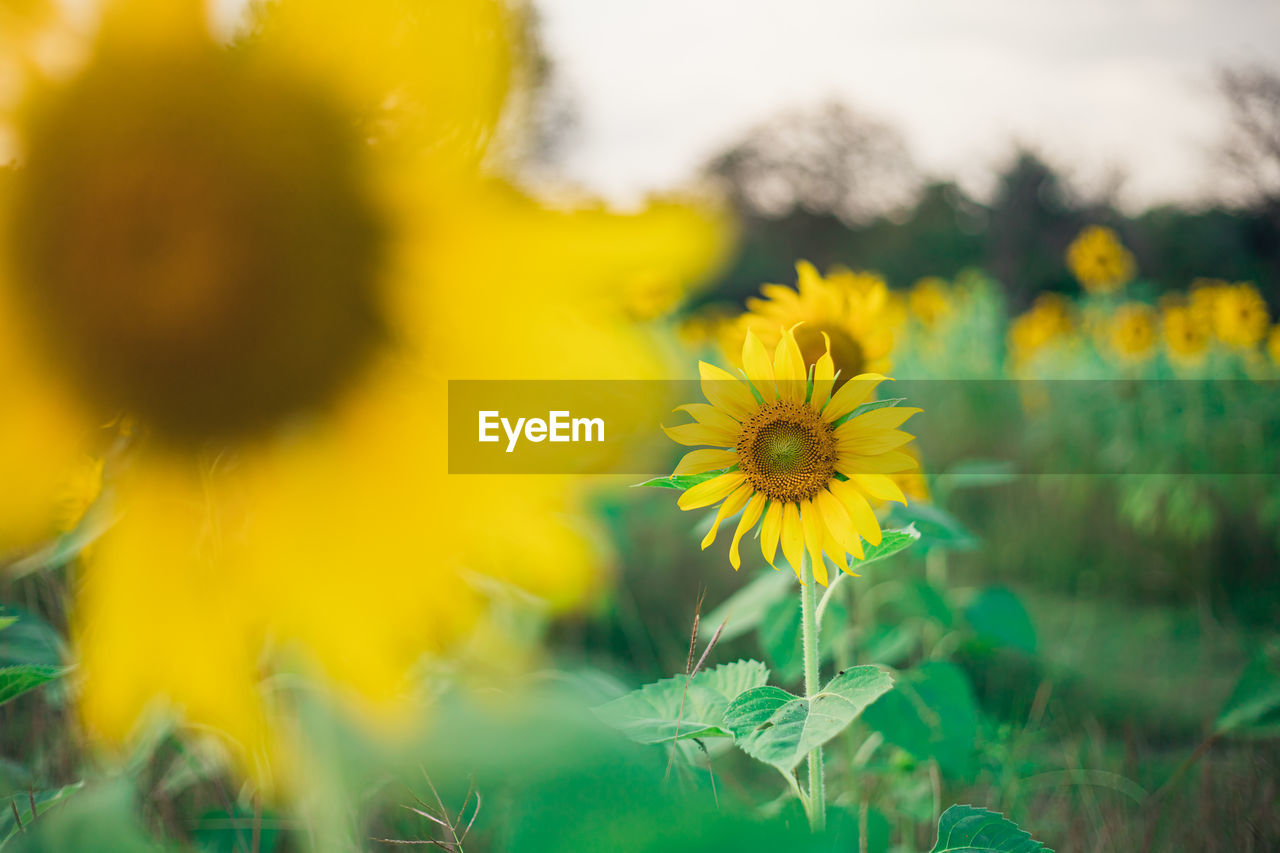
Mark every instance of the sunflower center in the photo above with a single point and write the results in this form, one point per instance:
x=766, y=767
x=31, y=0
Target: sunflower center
x=846, y=352
x=195, y=240
x=786, y=451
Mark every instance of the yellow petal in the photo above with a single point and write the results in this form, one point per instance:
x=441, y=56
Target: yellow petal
x=889, y=417
x=893, y=462
x=880, y=487
x=726, y=391
x=749, y=517
x=838, y=555
x=792, y=536
x=860, y=513
x=824, y=376
x=731, y=504
x=788, y=368
x=872, y=442
x=814, y=534
x=710, y=415
x=836, y=518
x=758, y=366
x=692, y=435
x=770, y=530
x=702, y=461
x=705, y=494
x=851, y=395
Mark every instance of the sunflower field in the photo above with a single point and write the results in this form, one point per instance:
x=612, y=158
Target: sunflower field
x=771, y=536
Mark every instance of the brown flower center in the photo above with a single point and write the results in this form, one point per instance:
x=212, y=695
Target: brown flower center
x=786, y=451
x=195, y=241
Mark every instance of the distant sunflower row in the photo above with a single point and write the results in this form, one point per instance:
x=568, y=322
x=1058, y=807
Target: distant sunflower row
x=934, y=328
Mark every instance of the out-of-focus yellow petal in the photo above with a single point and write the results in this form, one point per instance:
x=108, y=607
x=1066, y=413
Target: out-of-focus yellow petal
x=434, y=72
x=692, y=435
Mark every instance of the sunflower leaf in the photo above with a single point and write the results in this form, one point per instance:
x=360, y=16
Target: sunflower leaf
x=969, y=829
x=681, y=482
x=891, y=542
x=681, y=707
x=778, y=728
x=931, y=713
x=20, y=678
x=1253, y=710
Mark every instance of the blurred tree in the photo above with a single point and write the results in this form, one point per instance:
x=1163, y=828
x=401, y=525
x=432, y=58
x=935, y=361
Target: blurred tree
x=825, y=160
x=1033, y=218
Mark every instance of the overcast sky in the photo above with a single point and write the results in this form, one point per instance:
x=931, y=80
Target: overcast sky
x=1097, y=85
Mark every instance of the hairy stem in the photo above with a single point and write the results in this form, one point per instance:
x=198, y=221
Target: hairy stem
x=812, y=684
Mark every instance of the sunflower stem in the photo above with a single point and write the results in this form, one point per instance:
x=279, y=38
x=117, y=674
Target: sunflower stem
x=817, y=805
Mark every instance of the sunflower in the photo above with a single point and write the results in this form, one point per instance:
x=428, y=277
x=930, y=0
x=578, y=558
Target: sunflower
x=271, y=256
x=1131, y=331
x=1048, y=320
x=1239, y=315
x=931, y=301
x=1185, y=340
x=847, y=311
x=792, y=455
x=1099, y=261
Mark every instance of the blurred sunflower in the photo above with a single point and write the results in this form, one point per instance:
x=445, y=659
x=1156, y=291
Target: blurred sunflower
x=930, y=301
x=1099, y=261
x=1185, y=339
x=793, y=457
x=272, y=256
x=1047, y=320
x=1239, y=315
x=1273, y=344
x=1131, y=331
x=847, y=311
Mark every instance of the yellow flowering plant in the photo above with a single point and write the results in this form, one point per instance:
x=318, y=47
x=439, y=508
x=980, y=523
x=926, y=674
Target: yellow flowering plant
x=800, y=457
x=268, y=257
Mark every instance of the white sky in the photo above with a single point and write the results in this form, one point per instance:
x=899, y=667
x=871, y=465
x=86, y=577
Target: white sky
x=1096, y=85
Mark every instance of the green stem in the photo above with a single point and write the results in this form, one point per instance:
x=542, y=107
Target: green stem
x=812, y=685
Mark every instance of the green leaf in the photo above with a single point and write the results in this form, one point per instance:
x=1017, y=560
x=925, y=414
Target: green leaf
x=1253, y=710
x=745, y=609
x=29, y=639
x=969, y=829
x=653, y=713
x=772, y=725
x=867, y=407
x=931, y=713
x=891, y=543
x=44, y=801
x=937, y=526
x=997, y=617
x=18, y=679
x=682, y=482
x=6, y=621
